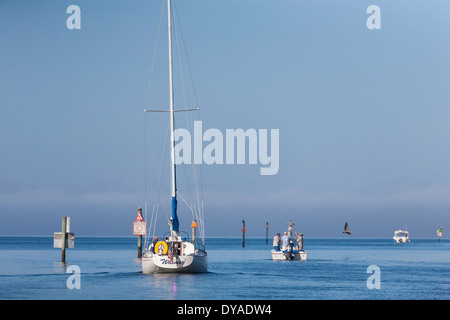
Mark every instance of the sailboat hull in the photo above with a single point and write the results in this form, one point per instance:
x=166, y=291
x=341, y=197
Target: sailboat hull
x=180, y=264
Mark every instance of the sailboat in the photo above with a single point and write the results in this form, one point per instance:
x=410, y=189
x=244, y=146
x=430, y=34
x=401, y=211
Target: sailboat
x=174, y=253
x=346, y=231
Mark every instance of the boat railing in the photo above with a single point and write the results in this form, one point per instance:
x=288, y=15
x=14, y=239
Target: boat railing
x=186, y=235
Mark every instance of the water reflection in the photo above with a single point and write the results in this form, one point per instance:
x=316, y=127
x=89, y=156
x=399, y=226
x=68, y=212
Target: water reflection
x=170, y=286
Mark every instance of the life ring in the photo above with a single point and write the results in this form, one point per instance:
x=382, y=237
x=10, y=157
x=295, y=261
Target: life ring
x=164, y=244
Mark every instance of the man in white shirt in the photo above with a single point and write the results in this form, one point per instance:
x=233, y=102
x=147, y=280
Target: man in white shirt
x=276, y=242
x=284, y=241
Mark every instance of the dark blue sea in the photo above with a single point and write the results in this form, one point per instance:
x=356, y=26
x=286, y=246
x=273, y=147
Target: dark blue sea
x=336, y=269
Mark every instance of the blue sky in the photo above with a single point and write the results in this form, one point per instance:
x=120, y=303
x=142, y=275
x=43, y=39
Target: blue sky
x=363, y=114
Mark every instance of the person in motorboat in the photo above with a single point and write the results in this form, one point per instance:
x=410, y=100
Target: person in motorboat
x=284, y=241
x=300, y=241
x=276, y=242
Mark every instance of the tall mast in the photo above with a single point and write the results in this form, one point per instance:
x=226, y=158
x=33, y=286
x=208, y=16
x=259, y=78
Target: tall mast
x=173, y=188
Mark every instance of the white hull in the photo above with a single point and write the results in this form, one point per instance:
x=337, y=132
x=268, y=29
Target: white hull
x=187, y=257
x=279, y=255
x=401, y=236
x=401, y=240
x=154, y=263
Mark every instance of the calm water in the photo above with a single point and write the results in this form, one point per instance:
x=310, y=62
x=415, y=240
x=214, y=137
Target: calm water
x=336, y=269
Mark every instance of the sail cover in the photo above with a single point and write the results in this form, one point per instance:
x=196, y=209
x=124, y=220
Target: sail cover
x=176, y=224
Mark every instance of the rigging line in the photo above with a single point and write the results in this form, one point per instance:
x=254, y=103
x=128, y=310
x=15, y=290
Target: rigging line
x=188, y=184
x=150, y=226
x=203, y=229
x=148, y=97
x=145, y=183
x=185, y=52
x=197, y=194
x=179, y=64
x=145, y=163
x=145, y=220
x=187, y=205
x=188, y=189
x=158, y=177
x=161, y=170
x=154, y=53
x=151, y=223
x=156, y=218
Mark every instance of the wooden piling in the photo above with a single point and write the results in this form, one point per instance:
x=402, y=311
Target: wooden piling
x=139, y=255
x=63, y=239
x=139, y=229
x=243, y=233
x=194, y=226
x=267, y=232
x=139, y=218
x=439, y=234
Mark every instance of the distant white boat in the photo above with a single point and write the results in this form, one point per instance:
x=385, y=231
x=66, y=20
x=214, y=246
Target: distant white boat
x=401, y=236
x=294, y=249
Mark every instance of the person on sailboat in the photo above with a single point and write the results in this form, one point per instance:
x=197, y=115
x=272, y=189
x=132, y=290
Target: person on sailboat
x=276, y=242
x=151, y=248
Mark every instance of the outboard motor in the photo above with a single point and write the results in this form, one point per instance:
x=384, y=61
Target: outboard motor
x=290, y=250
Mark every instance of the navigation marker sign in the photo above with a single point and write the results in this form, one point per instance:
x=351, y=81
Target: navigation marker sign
x=139, y=228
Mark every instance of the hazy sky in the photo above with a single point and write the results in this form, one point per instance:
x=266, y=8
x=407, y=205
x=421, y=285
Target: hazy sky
x=363, y=115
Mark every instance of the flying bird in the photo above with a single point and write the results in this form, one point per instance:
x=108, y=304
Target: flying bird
x=346, y=231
